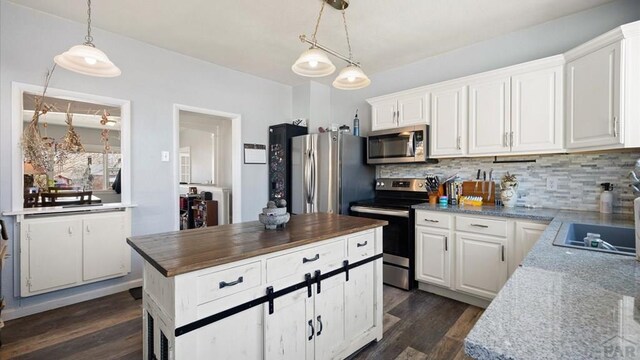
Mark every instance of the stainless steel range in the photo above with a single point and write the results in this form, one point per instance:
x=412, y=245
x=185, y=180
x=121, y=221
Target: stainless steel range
x=392, y=202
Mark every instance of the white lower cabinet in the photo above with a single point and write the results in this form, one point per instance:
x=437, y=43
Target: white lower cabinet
x=62, y=251
x=470, y=255
x=434, y=263
x=336, y=319
x=481, y=264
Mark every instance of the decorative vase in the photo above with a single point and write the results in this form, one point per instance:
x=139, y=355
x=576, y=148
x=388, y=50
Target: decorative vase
x=509, y=194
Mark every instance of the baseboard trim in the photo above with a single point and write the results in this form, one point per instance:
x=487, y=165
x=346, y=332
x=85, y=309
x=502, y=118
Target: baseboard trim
x=10, y=314
x=469, y=299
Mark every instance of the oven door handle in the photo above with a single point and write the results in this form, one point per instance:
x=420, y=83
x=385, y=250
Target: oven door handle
x=377, y=211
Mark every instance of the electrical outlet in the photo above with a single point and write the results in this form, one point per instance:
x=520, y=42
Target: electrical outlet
x=552, y=183
x=164, y=156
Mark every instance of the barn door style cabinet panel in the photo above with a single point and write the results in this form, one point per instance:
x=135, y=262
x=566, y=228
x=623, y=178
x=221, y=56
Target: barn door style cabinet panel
x=62, y=251
x=322, y=300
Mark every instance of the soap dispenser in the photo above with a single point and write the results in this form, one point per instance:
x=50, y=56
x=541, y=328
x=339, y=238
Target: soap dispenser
x=606, y=198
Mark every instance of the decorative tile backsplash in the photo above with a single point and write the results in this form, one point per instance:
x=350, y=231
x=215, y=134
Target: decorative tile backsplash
x=578, y=177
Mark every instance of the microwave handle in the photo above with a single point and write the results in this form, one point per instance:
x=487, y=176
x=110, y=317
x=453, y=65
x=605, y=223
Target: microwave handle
x=411, y=144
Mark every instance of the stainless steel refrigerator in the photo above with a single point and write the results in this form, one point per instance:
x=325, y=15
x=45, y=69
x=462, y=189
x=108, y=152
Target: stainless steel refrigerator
x=328, y=172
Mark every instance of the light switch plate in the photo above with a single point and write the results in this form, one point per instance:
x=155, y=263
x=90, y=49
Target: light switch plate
x=165, y=156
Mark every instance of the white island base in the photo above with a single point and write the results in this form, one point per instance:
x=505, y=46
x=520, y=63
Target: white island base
x=184, y=315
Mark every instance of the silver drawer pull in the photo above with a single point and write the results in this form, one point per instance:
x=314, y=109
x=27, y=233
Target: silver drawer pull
x=225, y=284
x=305, y=260
x=433, y=221
x=362, y=244
x=480, y=226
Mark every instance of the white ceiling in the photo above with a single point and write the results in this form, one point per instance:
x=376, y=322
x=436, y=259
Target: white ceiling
x=261, y=37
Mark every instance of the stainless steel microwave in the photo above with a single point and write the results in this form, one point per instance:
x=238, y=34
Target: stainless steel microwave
x=408, y=144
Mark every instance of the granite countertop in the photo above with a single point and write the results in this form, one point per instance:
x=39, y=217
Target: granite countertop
x=179, y=252
x=563, y=303
x=540, y=214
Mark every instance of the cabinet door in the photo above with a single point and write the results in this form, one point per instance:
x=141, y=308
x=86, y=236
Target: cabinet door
x=329, y=318
x=489, y=116
x=536, y=111
x=593, y=99
x=54, y=250
x=383, y=115
x=412, y=109
x=359, y=300
x=103, y=247
x=448, y=122
x=433, y=256
x=527, y=234
x=481, y=267
x=289, y=332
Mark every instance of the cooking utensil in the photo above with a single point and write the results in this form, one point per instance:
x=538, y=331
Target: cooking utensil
x=491, y=187
x=477, y=180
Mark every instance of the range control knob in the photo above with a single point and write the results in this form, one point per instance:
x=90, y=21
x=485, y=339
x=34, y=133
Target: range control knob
x=382, y=184
x=377, y=183
x=420, y=185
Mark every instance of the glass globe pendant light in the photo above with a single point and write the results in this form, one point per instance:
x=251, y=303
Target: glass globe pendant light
x=86, y=59
x=351, y=78
x=314, y=62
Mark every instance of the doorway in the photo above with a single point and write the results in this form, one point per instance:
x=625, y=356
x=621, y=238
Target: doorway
x=208, y=159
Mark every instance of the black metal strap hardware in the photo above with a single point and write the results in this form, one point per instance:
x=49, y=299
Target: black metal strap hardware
x=318, y=278
x=345, y=267
x=271, y=294
x=150, y=354
x=306, y=260
x=164, y=347
x=362, y=244
x=313, y=331
x=319, y=323
x=309, y=281
x=225, y=284
x=270, y=298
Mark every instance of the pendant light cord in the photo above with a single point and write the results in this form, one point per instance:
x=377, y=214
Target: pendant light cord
x=89, y=38
x=346, y=31
x=315, y=31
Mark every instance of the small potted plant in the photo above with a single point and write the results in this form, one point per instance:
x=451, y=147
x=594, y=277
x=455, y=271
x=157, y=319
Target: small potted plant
x=508, y=190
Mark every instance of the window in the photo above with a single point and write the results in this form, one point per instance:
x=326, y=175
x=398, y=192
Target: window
x=185, y=165
x=90, y=170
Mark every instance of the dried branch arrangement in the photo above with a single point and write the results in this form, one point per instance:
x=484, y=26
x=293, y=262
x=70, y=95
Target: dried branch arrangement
x=37, y=150
x=104, y=136
x=71, y=141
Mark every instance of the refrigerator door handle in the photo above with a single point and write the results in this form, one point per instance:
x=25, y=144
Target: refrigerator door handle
x=312, y=194
x=307, y=176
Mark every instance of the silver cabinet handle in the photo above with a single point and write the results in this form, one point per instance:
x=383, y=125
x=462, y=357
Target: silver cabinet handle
x=232, y=283
x=511, y=139
x=320, y=324
x=458, y=142
x=446, y=243
x=479, y=225
x=313, y=331
x=306, y=260
x=505, y=139
x=70, y=230
x=88, y=229
x=502, y=251
x=433, y=221
x=362, y=244
x=615, y=126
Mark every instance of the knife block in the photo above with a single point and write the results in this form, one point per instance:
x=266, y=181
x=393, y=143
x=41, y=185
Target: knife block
x=469, y=188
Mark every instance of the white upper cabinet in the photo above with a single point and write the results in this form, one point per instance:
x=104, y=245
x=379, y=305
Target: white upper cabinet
x=448, y=121
x=489, y=116
x=602, y=91
x=399, y=110
x=536, y=111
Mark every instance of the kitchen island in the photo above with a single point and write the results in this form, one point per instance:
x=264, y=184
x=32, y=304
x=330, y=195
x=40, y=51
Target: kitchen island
x=312, y=290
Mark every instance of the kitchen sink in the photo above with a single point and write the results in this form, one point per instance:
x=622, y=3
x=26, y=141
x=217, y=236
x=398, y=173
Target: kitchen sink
x=622, y=239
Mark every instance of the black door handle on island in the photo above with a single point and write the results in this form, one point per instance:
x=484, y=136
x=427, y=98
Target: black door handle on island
x=306, y=260
x=320, y=323
x=362, y=244
x=225, y=284
x=313, y=331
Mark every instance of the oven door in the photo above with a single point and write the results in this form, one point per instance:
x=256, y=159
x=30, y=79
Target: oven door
x=396, y=243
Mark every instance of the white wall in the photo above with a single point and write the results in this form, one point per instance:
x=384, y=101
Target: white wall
x=550, y=38
x=153, y=79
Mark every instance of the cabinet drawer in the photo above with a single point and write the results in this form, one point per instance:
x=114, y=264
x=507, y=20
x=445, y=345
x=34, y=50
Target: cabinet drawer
x=361, y=246
x=481, y=226
x=306, y=261
x=230, y=281
x=433, y=219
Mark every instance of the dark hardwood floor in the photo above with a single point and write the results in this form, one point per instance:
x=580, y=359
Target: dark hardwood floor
x=417, y=325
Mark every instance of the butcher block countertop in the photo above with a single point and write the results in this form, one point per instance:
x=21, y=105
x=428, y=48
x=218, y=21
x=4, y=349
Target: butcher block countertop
x=179, y=252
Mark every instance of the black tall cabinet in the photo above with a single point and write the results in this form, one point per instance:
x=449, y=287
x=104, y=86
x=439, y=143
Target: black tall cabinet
x=280, y=160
